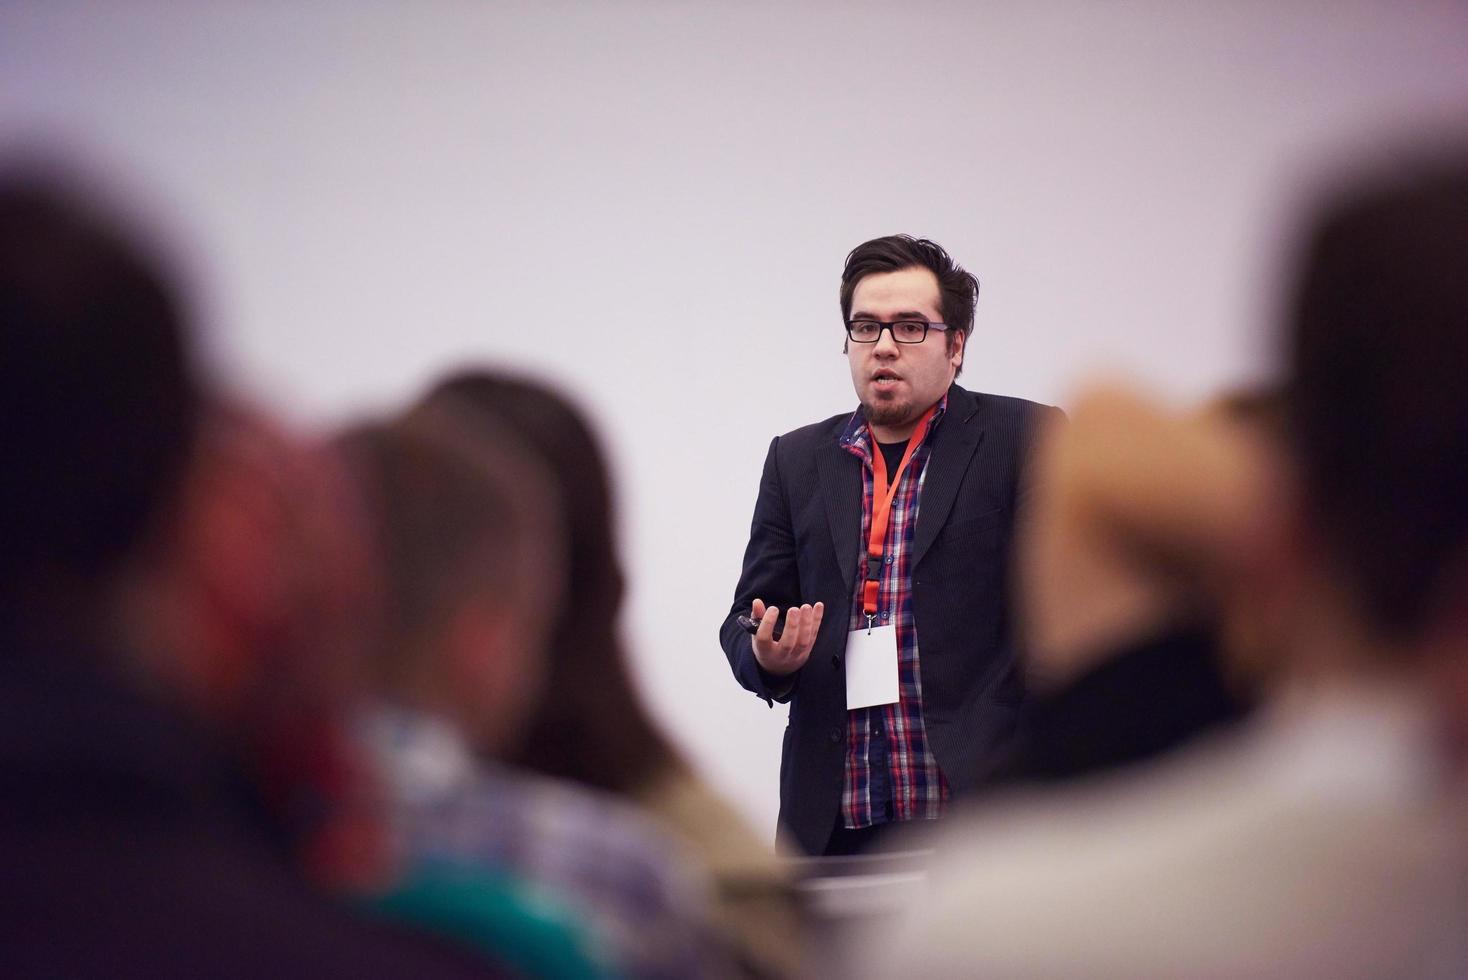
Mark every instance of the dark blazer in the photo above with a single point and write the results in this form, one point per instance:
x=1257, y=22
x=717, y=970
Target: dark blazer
x=804, y=546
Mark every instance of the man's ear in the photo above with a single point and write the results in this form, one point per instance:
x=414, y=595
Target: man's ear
x=956, y=339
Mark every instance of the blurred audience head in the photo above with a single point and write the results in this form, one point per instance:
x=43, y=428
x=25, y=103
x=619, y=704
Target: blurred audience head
x=1378, y=352
x=144, y=516
x=180, y=542
x=98, y=388
x=266, y=597
x=470, y=548
x=254, y=576
x=592, y=728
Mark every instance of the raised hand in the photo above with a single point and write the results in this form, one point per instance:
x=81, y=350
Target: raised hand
x=789, y=653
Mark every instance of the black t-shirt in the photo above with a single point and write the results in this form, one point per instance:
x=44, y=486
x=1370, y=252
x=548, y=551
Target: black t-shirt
x=892, y=453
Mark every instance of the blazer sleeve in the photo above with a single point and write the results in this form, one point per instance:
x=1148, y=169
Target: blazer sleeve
x=770, y=573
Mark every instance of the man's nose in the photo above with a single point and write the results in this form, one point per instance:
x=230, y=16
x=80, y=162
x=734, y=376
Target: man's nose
x=886, y=345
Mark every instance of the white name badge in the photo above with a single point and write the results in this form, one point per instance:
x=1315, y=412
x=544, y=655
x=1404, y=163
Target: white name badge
x=871, y=666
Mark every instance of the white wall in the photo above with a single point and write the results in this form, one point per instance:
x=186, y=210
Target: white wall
x=649, y=201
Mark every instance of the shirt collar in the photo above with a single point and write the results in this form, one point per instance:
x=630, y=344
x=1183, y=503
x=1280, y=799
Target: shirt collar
x=856, y=437
x=422, y=757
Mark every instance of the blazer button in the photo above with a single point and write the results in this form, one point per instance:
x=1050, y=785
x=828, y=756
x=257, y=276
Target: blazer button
x=835, y=735
x=835, y=660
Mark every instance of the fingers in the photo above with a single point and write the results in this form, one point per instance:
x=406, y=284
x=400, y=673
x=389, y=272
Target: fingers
x=801, y=626
x=789, y=652
x=766, y=651
x=767, y=617
x=810, y=625
x=793, y=616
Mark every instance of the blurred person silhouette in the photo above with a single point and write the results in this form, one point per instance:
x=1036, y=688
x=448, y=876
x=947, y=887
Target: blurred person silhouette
x=308, y=537
x=592, y=728
x=1139, y=635
x=468, y=527
x=167, y=761
x=1326, y=838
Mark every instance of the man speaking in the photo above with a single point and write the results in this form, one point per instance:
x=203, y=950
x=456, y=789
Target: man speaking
x=874, y=593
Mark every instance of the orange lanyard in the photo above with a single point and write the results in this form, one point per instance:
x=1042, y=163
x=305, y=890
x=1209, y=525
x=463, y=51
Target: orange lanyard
x=883, y=490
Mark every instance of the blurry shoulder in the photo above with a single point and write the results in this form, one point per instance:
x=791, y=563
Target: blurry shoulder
x=1212, y=849
x=580, y=816
x=709, y=824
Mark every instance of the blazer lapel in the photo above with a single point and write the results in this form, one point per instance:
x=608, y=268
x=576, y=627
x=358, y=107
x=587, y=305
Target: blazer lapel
x=958, y=435
x=840, y=475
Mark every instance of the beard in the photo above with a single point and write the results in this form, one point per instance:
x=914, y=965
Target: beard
x=893, y=412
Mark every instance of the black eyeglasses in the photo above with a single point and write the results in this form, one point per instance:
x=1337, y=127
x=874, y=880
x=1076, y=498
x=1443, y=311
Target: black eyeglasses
x=903, y=331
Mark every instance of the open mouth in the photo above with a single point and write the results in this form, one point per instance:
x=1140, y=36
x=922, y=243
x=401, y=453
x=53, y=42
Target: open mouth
x=885, y=379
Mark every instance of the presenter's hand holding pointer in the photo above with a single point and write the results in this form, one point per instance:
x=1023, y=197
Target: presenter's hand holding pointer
x=788, y=653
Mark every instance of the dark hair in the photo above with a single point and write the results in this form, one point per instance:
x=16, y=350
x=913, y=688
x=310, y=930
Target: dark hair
x=958, y=290
x=1379, y=353
x=591, y=727
x=96, y=389
x=447, y=522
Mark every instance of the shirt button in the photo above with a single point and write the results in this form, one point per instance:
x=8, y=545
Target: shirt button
x=884, y=615
x=835, y=735
x=877, y=730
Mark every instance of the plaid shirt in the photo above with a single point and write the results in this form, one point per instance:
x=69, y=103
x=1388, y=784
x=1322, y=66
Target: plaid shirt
x=891, y=774
x=585, y=851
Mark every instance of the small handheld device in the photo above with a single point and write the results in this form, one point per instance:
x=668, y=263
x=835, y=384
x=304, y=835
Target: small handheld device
x=751, y=626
